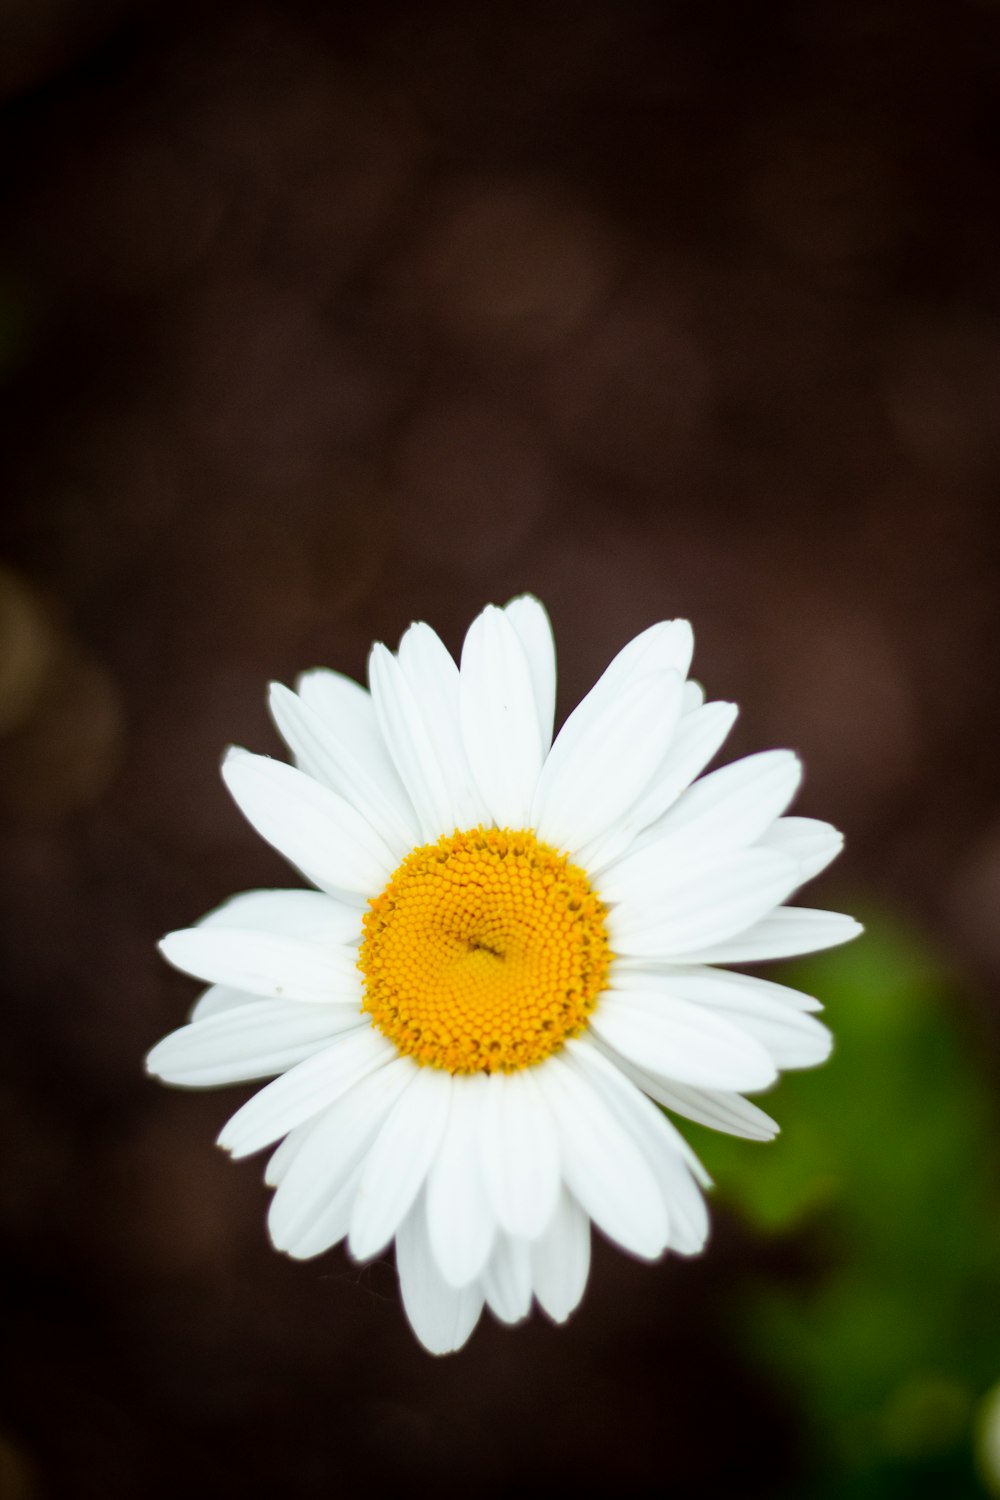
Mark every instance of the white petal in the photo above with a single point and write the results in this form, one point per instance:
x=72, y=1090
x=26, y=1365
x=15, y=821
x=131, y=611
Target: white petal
x=726, y=810
x=641, y=974
x=793, y=1038
x=717, y=1108
x=812, y=844
x=255, y=1040
x=311, y=915
x=305, y=1090
x=697, y=738
x=507, y=1279
x=329, y=1224
x=665, y=1149
x=683, y=910
x=560, y=1260
x=284, y=1153
x=441, y=1316
x=346, y=706
x=398, y=1162
x=694, y=696
x=499, y=718
x=593, y=733
x=434, y=680
x=666, y=646
x=417, y=741
x=460, y=1221
x=331, y=1154
x=681, y=1041
x=689, y=1222
x=530, y=619
x=603, y=758
x=309, y=824
x=263, y=964
x=603, y=1166
x=218, y=998
x=370, y=785
x=348, y=711
x=785, y=933
x=520, y=1154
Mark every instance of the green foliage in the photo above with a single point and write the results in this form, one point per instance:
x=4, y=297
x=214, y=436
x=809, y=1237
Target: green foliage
x=886, y=1174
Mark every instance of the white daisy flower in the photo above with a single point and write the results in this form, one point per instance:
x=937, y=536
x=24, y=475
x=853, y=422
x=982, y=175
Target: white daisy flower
x=508, y=965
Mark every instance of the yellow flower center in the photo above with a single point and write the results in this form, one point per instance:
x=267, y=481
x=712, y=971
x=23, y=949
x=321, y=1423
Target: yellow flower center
x=484, y=952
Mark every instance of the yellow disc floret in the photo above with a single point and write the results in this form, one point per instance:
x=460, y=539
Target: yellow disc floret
x=484, y=952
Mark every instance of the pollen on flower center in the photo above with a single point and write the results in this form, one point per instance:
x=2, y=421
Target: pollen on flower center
x=484, y=952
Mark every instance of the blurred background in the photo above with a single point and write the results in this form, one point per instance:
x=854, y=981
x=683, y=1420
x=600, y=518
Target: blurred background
x=315, y=320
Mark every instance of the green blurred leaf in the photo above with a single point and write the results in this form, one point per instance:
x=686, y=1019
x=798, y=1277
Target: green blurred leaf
x=887, y=1170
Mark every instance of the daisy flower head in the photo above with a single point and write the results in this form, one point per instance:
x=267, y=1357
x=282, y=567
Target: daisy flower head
x=509, y=966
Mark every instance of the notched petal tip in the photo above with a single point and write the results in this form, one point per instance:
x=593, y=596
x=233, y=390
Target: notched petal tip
x=224, y=1141
x=521, y=604
x=415, y=631
x=683, y=628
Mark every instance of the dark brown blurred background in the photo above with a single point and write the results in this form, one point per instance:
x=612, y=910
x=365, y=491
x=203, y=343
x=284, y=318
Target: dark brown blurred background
x=317, y=319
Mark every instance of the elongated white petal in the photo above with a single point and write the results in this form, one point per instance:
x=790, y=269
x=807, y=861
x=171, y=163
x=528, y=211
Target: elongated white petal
x=499, y=718
x=308, y=824
x=812, y=844
x=793, y=1038
x=530, y=619
x=218, y=998
x=560, y=1259
x=346, y=706
x=678, y=1040
x=348, y=711
x=643, y=974
x=329, y=1224
x=727, y=810
x=398, y=1161
x=460, y=1221
x=330, y=1155
x=694, y=696
x=507, y=1279
x=305, y=1090
x=310, y=915
x=602, y=761
x=789, y=931
x=284, y=1153
x=415, y=750
x=716, y=1108
x=719, y=1109
x=718, y=897
x=433, y=678
x=371, y=785
x=595, y=724
x=602, y=1165
x=255, y=1040
x=689, y=1222
x=650, y=1129
x=264, y=964
x=674, y=1163
x=666, y=646
x=520, y=1158
x=697, y=738
x=442, y=1316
